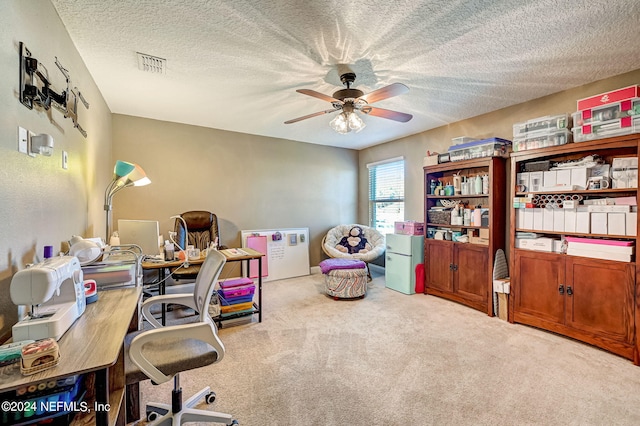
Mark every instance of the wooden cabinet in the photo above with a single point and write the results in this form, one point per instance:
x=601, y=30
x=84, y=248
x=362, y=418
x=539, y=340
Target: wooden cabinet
x=592, y=300
x=458, y=272
x=586, y=299
x=463, y=272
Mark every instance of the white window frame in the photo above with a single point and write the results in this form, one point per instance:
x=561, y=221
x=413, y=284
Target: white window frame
x=374, y=200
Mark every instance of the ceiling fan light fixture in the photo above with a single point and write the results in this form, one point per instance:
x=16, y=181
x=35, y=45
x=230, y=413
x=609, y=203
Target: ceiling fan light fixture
x=339, y=124
x=355, y=123
x=345, y=122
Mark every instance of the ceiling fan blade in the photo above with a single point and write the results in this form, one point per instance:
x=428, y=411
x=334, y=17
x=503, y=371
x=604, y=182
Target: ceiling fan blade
x=389, y=91
x=315, y=114
x=318, y=95
x=387, y=113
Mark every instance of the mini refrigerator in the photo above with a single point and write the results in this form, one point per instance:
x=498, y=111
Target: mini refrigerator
x=403, y=253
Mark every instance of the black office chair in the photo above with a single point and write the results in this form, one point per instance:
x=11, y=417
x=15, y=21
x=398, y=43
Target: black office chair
x=202, y=227
x=165, y=351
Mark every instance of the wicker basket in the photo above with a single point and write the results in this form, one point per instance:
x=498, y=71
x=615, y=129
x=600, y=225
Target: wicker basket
x=441, y=217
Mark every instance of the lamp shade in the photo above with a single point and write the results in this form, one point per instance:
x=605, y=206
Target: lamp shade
x=125, y=174
x=122, y=168
x=85, y=250
x=129, y=174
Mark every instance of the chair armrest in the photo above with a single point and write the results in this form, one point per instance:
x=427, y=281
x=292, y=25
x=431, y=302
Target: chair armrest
x=203, y=331
x=184, y=299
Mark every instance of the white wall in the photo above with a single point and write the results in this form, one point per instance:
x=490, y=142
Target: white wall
x=40, y=203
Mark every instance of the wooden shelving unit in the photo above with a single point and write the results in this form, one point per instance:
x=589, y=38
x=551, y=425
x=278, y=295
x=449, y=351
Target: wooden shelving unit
x=463, y=272
x=591, y=300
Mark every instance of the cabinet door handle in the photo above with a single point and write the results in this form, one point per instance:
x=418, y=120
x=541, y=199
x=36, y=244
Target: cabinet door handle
x=569, y=290
x=451, y=267
x=454, y=267
x=561, y=289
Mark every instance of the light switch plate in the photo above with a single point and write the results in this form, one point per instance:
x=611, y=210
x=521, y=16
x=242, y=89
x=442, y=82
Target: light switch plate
x=23, y=135
x=65, y=160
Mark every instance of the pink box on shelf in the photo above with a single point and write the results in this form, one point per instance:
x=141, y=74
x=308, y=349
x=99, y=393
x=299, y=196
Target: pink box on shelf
x=609, y=97
x=409, y=228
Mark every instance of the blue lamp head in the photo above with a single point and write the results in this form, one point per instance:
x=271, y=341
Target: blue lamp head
x=122, y=168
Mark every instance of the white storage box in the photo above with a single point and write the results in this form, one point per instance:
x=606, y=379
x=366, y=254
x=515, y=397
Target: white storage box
x=547, y=219
x=558, y=220
x=599, y=223
x=616, y=223
x=631, y=224
x=583, y=221
x=539, y=244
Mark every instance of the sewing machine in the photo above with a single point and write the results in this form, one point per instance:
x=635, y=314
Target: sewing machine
x=55, y=291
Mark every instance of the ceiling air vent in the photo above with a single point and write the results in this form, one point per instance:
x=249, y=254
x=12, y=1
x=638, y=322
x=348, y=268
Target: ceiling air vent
x=152, y=64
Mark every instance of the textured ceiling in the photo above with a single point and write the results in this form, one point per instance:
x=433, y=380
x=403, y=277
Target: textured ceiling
x=236, y=65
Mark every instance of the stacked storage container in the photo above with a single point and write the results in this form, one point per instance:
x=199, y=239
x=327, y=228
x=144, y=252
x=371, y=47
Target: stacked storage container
x=608, y=114
x=492, y=147
x=236, y=296
x=541, y=132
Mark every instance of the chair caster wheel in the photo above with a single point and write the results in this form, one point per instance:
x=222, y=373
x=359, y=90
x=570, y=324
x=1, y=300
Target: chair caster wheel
x=234, y=422
x=210, y=398
x=152, y=416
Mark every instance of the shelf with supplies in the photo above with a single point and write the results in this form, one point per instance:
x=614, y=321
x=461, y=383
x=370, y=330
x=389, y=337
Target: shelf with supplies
x=573, y=236
x=464, y=210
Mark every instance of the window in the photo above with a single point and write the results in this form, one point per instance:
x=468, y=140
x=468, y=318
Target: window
x=386, y=194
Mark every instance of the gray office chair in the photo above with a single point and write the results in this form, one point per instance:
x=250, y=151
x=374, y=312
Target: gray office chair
x=164, y=351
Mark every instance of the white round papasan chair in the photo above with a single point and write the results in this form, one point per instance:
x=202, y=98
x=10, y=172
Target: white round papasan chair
x=373, y=237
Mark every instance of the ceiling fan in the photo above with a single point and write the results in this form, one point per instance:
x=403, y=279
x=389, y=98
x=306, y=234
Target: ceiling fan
x=349, y=100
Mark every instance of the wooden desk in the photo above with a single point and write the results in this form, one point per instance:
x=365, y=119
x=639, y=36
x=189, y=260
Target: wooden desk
x=252, y=254
x=94, y=343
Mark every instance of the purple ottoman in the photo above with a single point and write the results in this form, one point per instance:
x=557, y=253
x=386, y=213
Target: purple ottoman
x=345, y=278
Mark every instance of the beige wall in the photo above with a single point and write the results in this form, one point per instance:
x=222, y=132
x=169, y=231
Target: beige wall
x=497, y=123
x=249, y=182
x=40, y=203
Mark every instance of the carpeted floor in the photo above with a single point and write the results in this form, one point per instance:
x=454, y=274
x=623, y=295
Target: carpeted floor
x=393, y=359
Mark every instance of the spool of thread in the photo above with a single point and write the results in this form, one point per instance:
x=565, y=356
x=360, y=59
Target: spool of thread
x=48, y=252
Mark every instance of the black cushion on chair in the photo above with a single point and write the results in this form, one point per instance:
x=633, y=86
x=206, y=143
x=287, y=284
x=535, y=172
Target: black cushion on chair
x=171, y=356
x=202, y=227
x=203, y=230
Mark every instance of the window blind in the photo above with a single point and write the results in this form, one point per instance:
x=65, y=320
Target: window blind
x=386, y=194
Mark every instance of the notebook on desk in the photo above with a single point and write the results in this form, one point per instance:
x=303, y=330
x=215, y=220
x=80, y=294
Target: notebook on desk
x=143, y=233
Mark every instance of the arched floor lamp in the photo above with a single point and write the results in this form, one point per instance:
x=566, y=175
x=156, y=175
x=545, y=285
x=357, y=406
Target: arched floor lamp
x=124, y=175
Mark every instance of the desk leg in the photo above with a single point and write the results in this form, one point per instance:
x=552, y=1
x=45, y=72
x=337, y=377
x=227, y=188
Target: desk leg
x=133, y=402
x=102, y=396
x=260, y=289
x=162, y=290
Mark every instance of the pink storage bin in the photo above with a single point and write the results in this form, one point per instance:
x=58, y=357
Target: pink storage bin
x=239, y=291
x=235, y=282
x=409, y=228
